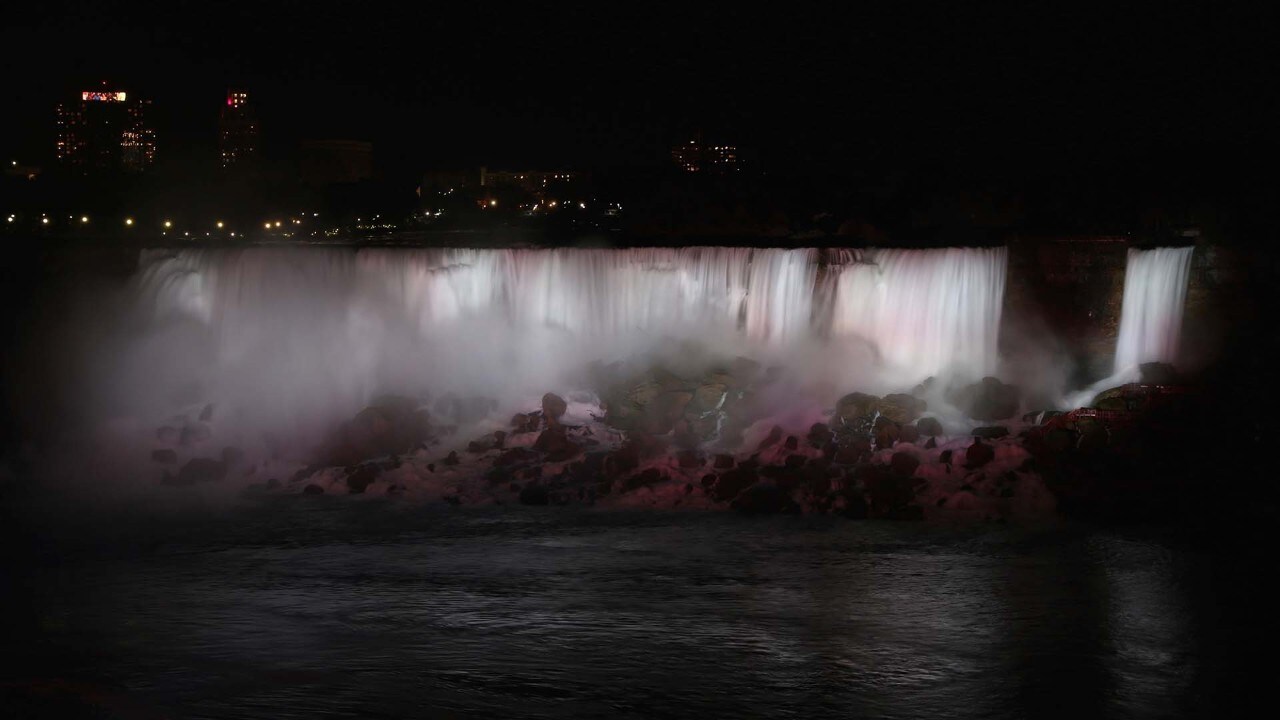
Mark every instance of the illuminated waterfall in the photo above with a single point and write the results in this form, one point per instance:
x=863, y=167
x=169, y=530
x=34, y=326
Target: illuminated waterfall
x=925, y=311
x=1155, y=291
x=311, y=332
x=766, y=292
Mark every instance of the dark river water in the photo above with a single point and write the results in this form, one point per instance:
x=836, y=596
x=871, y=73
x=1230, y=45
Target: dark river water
x=323, y=607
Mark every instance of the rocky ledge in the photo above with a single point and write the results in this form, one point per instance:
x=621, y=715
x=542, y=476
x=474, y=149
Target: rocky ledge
x=657, y=438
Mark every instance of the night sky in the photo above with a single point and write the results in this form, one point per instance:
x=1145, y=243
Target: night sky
x=544, y=85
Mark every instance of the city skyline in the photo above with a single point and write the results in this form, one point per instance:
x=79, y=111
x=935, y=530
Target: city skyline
x=525, y=88
x=238, y=137
x=901, y=121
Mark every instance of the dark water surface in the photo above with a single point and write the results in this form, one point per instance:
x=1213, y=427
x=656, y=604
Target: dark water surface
x=323, y=607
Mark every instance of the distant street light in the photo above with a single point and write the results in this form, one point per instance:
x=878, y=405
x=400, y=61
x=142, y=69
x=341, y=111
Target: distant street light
x=128, y=221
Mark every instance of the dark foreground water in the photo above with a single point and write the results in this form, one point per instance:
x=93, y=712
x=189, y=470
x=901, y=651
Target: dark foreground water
x=324, y=607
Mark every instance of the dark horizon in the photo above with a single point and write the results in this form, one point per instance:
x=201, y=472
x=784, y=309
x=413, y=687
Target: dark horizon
x=1004, y=97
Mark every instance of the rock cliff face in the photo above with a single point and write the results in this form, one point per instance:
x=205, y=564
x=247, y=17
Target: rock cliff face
x=651, y=437
x=1074, y=286
x=1070, y=290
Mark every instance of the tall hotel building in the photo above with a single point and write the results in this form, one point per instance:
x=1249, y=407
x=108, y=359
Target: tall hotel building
x=105, y=131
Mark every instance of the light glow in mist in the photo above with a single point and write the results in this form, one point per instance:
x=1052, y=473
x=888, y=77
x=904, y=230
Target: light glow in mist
x=288, y=342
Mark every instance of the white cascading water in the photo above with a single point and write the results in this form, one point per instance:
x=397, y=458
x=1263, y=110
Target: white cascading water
x=925, y=311
x=1155, y=291
x=294, y=338
x=585, y=291
x=780, y=306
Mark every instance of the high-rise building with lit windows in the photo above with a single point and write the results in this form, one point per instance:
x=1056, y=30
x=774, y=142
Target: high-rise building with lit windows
x=105, y=131
x=237, y=131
